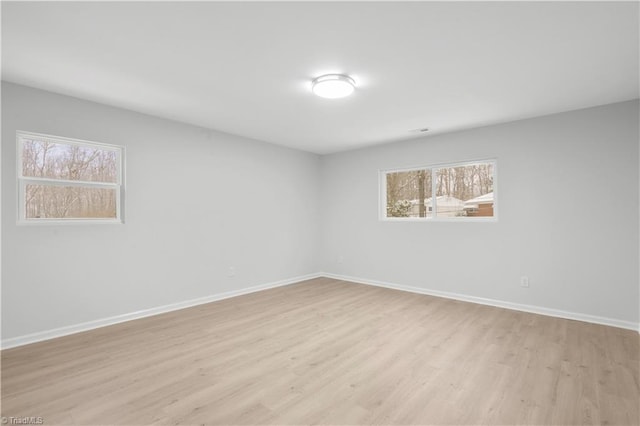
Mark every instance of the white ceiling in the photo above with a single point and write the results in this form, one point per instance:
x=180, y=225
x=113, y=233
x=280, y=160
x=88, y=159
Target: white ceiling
x=245, y=68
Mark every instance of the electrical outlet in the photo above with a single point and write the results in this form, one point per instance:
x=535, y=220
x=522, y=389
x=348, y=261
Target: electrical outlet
x=524, y=281
x=231, y=272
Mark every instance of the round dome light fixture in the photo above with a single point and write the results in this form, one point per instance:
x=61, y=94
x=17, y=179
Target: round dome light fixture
x=333, y=86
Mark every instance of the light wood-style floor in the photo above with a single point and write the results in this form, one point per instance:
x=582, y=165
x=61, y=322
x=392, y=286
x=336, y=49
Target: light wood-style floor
x=330, y=352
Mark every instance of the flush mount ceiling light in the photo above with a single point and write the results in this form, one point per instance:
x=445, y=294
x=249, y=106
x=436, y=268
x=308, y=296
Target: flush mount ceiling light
x=333, y=86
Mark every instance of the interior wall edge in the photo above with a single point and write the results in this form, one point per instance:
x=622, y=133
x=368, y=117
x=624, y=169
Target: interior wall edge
x=104, y=322
x=540, y=310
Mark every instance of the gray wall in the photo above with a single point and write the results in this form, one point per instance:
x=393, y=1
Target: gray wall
x=197, y=202
x=568, y=215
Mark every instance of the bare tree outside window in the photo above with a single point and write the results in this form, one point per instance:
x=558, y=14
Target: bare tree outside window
x=70, y=202
x=407, y=193
x=465, y=190
x=65, y=179
x=458, y=190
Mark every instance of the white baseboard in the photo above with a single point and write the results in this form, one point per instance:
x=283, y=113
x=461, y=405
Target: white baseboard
x=491, y=302
x=90, y=325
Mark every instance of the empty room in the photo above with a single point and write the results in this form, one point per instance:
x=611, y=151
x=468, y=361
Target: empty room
x=336, y=213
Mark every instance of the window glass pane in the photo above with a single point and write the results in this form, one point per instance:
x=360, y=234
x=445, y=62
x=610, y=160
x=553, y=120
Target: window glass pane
x=41, y=158
x=465, y=191
x=69, y=202
x=409, y=193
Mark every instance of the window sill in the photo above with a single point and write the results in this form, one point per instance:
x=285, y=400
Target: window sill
x=441, y=219
x=56, y=222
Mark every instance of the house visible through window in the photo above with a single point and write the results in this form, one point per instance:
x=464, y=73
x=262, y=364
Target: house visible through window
x=63, y=179
x=465, y=190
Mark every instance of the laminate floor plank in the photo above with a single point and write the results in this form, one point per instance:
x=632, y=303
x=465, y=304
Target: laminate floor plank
x=331, y=352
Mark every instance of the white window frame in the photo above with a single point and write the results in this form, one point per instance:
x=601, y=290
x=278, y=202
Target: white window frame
x=382, y=184
x=23, y=181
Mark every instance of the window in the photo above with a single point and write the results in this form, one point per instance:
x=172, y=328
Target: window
x=463, y=191
x=67, y=180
